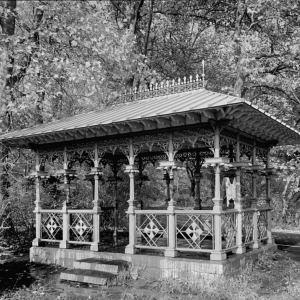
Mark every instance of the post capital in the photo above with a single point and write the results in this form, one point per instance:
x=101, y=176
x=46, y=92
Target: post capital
x=170, y=165
x=131, y=169
x=66, y=173
x=96, y=171
x=218, y=204
x=213, y=161
x=37, y=174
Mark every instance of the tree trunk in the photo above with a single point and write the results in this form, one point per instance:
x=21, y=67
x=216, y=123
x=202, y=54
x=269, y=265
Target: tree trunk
x=284, y=200
x=241, y=74
x=8, y=24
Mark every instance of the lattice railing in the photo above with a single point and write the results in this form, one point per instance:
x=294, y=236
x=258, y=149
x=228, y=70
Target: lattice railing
x=152, y=230
x=51, y=226
x=247, y=226
x=194, y=231
x=228, y=229
x=81, y=227
x=262, y=224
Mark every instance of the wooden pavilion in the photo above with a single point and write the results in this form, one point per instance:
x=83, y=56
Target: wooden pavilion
x=168, y=125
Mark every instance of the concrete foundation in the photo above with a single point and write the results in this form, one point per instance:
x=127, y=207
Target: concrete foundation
x=150, y=265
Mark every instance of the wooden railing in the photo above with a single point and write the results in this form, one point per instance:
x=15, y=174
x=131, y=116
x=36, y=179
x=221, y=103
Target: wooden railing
x=195, y=230
x=184, y=230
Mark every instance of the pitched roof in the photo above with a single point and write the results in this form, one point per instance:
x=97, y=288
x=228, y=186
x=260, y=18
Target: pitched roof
x=185, y=108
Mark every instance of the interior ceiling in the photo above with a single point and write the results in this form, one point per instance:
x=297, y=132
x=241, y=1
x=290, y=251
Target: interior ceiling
x=171, y=111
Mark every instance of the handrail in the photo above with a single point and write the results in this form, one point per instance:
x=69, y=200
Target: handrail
x=82, y=211
x=51, y=211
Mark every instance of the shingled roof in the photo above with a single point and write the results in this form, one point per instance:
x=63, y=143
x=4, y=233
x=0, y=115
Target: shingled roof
x=188, y=107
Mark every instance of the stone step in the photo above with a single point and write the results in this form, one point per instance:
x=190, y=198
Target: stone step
x=88, y=276
x=110, y=266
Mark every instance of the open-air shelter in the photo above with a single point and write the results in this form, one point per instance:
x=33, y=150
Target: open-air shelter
x=167, y=125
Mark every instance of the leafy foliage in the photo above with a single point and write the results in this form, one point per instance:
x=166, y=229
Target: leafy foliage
x=68, y=57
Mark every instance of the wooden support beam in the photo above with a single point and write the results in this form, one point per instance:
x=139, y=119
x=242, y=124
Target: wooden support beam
x=178, y=119
x=100, y=131
x=194, y=116
x=112, y=130
x=209, y=114
x=136, y=126
x=123, y=127
x=149, y=123
x=163, y=121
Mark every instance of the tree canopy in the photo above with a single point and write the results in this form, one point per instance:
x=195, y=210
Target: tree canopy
x=60, y=58
x=66, y=57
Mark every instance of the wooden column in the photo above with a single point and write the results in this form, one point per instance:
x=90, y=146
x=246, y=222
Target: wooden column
x=97, y=171
x=131, y=169
x=37, y=211
x=268, y=198
x=239, y=204
x=170, y=251
x=256, y=243
x=254, y=177
x=218, y=201
x=64, y=244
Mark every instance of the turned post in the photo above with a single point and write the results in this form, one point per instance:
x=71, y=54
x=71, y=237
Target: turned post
x=239, y=204
x=256, y=243
x=218, y=201
x=171, y=251
x=64, y=244
x=38, y=207
x=131, y=169
x=97, y=172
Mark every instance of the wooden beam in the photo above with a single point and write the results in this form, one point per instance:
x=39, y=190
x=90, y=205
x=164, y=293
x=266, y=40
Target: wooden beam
x=209, y=114
x=149, y=123
x=136, y=125
x=100, y=131
x=123, y=127
x=163, y=121
x=112, y=130
x=194, y=116
x=178, y=119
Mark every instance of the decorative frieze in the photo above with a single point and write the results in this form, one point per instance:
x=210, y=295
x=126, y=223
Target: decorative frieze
x=143, y=161
x=48, y=155
x=192, y=136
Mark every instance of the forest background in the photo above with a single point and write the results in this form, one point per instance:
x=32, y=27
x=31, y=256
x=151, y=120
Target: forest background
x=61, y=58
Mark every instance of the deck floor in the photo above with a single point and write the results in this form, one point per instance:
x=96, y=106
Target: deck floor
x=111, y=244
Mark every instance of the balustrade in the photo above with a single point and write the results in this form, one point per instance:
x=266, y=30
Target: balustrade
x=191, y=231
x=195, y=231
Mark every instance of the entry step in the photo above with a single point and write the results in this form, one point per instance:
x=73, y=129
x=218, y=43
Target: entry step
x=110, y=266
x=88, y=276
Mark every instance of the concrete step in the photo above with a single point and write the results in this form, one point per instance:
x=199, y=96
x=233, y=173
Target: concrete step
x=110, y=266
x=88, y=276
